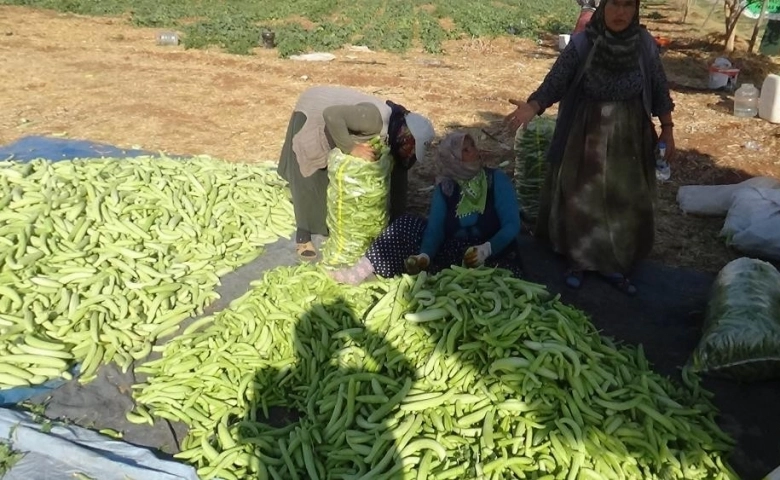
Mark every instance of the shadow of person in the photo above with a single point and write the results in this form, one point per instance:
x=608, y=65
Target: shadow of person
x=464, y=374
x=325, y=412
x=332, y=409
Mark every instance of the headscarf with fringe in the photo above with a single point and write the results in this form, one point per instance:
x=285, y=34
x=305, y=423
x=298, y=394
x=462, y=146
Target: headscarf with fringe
x=469, y=176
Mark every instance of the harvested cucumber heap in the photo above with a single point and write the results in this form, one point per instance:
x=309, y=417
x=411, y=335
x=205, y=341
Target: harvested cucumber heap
x=100, y=257
x=467, y=374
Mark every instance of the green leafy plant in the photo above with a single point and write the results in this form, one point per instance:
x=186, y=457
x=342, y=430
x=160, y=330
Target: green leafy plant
x=236, y=34
x=8, y=458
x=431, y=33
x=326, y=25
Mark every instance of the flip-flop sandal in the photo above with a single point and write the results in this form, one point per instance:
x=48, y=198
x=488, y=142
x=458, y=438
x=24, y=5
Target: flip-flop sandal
x=621, y=282
x=573, y=279
x=306, y=251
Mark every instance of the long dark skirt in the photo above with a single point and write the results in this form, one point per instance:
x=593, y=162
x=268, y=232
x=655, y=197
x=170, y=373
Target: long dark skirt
x=309, y=194
x=598, y=204
x=403, y=238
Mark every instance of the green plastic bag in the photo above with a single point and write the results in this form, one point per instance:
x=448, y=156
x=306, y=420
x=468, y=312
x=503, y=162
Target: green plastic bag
x=531, y=147
x=741, y=338
x=358, y=204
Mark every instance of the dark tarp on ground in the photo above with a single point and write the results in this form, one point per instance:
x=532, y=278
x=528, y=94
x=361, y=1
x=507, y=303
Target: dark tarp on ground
x=665, y=318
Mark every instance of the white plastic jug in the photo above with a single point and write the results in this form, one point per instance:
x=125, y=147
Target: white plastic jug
x=769, y=103
x=746, y=101
x=563, y=40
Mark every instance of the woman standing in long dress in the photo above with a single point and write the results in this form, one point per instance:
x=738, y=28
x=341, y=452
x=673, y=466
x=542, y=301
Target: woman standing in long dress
x=597, y=207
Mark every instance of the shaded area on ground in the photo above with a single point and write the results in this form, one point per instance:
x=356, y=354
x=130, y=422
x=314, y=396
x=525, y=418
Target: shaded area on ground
x=666, y=318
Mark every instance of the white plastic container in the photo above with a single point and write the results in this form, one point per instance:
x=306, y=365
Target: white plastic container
x=167, y=38
x=563, y=40
x=746, y=101
x=769, y=102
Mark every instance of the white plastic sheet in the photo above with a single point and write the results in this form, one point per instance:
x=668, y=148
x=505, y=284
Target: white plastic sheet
x=67, y=450
x=773, y=475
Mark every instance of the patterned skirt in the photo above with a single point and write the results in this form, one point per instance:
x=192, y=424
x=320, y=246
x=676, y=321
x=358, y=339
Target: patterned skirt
x=597, y=207
x=404, y=236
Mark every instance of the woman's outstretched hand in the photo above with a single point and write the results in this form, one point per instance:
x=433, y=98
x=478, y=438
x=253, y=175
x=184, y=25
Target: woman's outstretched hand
x=522, y=115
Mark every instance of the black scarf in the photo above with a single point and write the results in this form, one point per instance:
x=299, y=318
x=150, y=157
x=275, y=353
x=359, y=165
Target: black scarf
x=397, y=121
x=615, y=52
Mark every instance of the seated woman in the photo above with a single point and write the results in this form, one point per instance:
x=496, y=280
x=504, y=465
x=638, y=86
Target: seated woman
x=474, y=220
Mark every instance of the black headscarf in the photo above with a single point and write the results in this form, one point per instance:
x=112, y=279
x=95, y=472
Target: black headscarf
x=615, y=51
x=397, y=121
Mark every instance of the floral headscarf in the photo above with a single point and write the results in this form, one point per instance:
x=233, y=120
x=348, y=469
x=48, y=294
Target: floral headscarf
x=449, y=160
x=469, y=176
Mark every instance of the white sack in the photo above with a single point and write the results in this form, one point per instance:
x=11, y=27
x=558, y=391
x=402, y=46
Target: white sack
x=753, y=222
x=715, y=200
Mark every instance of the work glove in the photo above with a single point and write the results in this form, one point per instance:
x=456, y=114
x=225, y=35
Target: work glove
x=417, y=263
x=475, y=256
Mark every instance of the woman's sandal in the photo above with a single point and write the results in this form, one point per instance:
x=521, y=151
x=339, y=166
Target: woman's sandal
x=621, y=282
x=306, y=251
x=573, y=279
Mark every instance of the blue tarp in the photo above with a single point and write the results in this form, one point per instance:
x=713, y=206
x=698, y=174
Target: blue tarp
x=13, y=396
x=53, y=148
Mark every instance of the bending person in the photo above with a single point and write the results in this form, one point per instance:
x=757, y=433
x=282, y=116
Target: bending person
x=327, y=117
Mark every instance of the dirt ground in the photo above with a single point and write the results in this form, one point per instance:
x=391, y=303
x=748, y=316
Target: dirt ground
x=104, y=80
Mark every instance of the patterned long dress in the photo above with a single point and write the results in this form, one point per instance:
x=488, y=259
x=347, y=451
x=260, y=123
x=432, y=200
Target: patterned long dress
x=598, y=203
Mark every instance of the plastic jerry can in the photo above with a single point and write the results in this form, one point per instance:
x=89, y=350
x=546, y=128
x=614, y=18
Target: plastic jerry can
x=769, y=102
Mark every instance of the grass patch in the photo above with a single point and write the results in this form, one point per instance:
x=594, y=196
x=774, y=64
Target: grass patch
x=8, y=458
x=325, y=25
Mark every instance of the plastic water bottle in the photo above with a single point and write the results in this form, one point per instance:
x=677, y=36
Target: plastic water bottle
x=662, y=169
x=746, y=101
x=167, y=38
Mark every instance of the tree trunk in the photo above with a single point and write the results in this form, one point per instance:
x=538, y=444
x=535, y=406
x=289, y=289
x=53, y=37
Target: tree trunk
x=731, y=40
x=709, y=15
x=732, y=10
x=686, y=9
x=757, y=26
x=728, y=14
